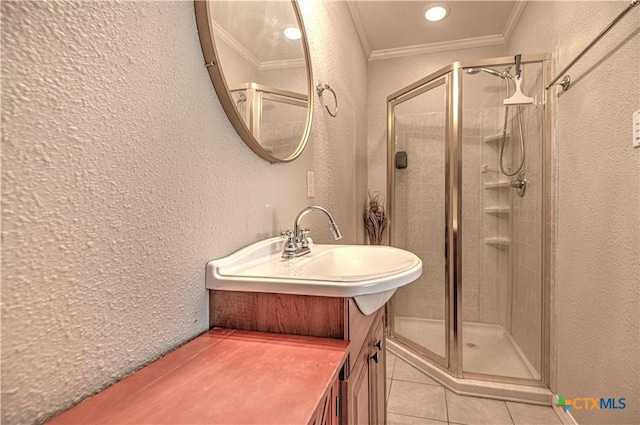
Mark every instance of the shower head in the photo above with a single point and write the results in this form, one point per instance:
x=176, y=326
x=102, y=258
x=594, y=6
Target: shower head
x=473, y=71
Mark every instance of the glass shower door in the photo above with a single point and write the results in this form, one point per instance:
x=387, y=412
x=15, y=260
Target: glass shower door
x=418, y=213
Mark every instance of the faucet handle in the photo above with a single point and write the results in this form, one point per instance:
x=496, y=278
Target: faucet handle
x=304, y=242
x=290, y=246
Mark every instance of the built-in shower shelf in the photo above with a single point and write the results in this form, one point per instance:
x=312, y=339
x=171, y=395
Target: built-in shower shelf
x=500, y=243
x=497, y=210
x=496, y=185
x=486, y=169
x=495, y=138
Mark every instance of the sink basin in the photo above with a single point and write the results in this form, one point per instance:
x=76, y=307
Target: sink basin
x=369, y=274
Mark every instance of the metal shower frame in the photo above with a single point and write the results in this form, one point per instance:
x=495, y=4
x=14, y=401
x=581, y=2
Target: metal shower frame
x=453, y=74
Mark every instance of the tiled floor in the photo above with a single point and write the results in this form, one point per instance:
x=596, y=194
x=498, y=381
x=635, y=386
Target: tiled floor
x=415, y=399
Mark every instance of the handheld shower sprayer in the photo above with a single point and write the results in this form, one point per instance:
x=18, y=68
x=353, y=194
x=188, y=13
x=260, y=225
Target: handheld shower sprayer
x=516, y=99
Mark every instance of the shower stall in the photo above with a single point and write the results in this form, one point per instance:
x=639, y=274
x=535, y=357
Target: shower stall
x=469, y=193
x=276, y=117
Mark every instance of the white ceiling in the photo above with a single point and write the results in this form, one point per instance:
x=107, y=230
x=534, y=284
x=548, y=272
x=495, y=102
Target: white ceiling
x=387, y=28
x=391, y=28
x=254, y=29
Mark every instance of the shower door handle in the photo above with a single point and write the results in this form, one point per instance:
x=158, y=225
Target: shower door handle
x=446, y=241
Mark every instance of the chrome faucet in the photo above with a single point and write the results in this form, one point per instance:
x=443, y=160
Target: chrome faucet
x=297, y=243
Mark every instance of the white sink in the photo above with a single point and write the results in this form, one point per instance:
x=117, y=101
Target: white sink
x=369, y=274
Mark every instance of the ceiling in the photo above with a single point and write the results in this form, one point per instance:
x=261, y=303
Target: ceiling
x=387, y=28
x=398, y=28
x=253, y=29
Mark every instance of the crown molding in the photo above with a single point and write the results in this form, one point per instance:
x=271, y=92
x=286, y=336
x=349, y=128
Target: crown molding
x=227, y=38
x=490, y=40
x=283, y=64
x=357, y=20
x=516, y=12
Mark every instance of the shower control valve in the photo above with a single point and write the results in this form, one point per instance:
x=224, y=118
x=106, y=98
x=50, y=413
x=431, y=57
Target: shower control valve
x=517, y=183
x=520, y=184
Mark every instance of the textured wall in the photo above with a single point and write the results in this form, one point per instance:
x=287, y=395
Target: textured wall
x=122, y=177
x=339, y=147
x=598, y=199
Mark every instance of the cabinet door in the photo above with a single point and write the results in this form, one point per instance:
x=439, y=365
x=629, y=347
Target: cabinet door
x=364, y=390
x=356, y=392
x=327, y=413
x=377, y=374
x=361, y=400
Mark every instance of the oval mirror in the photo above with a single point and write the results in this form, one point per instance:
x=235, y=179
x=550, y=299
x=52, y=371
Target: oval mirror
x=258, y=60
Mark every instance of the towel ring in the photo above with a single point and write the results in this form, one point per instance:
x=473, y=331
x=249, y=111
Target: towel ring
x=321, y=88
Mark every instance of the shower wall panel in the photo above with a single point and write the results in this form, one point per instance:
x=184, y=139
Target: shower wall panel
x=471, y=218
x=495, y=213
x=485, y=260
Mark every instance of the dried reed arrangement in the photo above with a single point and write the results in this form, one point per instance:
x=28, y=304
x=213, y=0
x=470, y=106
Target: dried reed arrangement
x=375, y=219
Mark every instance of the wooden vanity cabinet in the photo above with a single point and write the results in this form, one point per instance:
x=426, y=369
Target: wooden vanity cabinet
x=364, y=390
x=362, y=383
x=327, y=413
x=226, y=376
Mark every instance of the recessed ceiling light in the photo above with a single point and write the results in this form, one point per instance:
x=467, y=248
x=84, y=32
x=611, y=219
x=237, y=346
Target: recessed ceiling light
x=436, y=12
x=292, y=33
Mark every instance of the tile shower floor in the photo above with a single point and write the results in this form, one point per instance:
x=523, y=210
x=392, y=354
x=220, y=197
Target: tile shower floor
x=415, y=399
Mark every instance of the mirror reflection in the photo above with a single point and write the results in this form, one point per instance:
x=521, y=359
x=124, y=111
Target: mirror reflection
x=260, y=50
